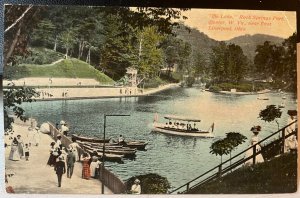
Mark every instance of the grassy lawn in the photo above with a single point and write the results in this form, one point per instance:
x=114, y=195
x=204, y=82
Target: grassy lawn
x=276, y=176
x=67, y=68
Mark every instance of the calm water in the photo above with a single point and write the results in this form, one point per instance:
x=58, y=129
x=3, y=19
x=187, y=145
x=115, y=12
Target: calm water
x=177, y=158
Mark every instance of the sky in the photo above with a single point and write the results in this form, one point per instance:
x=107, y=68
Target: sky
x=226, y=24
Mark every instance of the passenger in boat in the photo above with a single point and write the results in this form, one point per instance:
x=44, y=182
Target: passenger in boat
x=136, y=187
x=291, y=143
x=121, y=140
x=254, y=140
x=86, y=172
x=167, y=125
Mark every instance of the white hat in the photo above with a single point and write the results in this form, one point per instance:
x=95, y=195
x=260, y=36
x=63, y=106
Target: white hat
x=137, y=181
x=62, y=122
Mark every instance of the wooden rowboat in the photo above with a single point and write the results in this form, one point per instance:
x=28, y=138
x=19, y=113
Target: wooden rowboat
x=88, y=139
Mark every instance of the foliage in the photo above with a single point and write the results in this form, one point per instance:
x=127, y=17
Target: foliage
x=228, y=63
x=235, y=139
x=278, y=62
x=190, y=81
x=220, y=147
x=215, y=88
x=226, y=145
x=150, y=184
x=153, y=82
x=12, y=100
x=270, y=113
x=41, y=56
x=16, y=38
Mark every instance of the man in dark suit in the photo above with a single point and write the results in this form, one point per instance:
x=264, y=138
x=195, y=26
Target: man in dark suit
x=70, y=163
x=60, y=169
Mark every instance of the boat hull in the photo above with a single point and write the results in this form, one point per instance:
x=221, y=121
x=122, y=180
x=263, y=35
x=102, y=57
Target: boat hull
x=205, y=134
x=87, y=139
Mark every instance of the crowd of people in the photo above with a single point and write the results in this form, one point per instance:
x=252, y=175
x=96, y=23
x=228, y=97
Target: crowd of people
x=63, y=159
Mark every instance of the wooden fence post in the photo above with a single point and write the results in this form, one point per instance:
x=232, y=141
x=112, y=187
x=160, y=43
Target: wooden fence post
x=254, y=153
x=283, y=140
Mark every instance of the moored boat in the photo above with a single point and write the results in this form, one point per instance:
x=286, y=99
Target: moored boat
x=89, y=139
x=182, y=126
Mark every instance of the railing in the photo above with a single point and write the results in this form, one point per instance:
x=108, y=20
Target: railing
x=217, y=171
x=113, y=182
x=110, y=180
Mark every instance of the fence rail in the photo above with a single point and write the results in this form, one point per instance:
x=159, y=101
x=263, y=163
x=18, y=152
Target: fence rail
x=217, y=171
x=110, y=180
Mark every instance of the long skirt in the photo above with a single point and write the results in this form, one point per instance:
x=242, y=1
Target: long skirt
x=20, y=150
x=258, y=159
x=86, y=173
x=51, y=160
x=14, y=153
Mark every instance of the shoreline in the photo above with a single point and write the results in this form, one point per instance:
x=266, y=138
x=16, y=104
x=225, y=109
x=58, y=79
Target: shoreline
x=97, y=93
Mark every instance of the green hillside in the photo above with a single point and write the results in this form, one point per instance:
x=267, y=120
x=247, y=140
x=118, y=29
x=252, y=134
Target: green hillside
x=65, y=68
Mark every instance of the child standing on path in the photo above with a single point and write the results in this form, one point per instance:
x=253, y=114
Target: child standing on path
x=26, y=151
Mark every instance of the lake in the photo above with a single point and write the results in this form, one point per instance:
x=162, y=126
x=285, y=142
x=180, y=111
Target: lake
x=179, y=159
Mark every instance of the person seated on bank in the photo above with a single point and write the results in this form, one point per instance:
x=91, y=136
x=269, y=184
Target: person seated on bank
x=167, y=125
x=136, y=187
x=58, y=142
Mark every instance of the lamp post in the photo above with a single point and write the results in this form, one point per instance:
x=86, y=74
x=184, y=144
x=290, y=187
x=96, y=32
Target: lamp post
x=103, y=156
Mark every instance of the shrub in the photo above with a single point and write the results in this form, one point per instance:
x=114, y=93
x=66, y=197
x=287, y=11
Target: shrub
x=215, y=88
x=150, y=184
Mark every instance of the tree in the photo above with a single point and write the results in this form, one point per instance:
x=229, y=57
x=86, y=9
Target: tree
x=270, y=113
x=19, y=21
x=13, y=98
x=290, y=61
x=221, y=147
x=234, y=139
x=44, y=34
x=18, y=24
x=228, y=63
x=68, y=39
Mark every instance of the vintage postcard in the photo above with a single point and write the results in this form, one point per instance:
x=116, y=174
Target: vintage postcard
x=149, y=100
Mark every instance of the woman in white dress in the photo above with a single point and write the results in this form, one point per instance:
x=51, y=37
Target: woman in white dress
x=14, y=152
x=254, y=140
x=95, y=164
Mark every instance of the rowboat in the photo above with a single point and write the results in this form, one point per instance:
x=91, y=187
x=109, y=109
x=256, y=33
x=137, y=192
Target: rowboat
x=125, y=151
x=88, y=139
x=139, y=145
x=107, y=156
x=182, y=126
